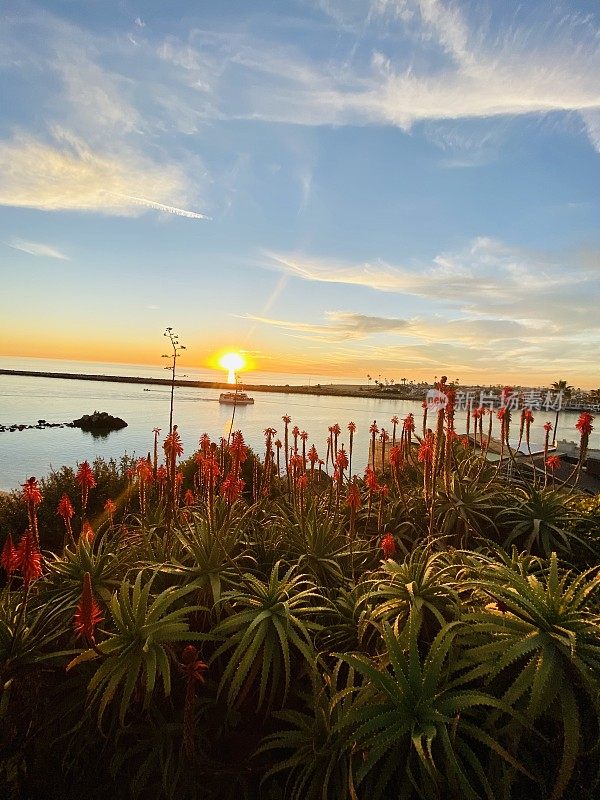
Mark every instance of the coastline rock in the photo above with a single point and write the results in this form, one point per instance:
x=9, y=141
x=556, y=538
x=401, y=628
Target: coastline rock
x=99, y=421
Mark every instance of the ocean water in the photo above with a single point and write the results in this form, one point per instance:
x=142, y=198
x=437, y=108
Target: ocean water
x=24, y=400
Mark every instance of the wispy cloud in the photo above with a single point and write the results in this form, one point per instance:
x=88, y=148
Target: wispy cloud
x=451, y=67
x=66, y=175
x=36, y=249
x=486, y=279
x=350, y=324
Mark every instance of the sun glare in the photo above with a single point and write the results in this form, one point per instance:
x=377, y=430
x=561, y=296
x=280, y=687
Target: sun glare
x=232, y=362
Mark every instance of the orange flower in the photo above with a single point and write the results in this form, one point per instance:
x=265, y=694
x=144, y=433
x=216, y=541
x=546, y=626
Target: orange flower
x=85, y=476
x=88, y=613
x=371, y=480
x=204, y=443
x=31, y=492
x=341, y=461
x=388, y=545
x=396, y=456
x=553, y=462
x=353, y=498
x=409, y=423
x=29, y=559
x=65, y=508
x=9, y=559
x=584, y=423
x=173, y=445
x=425, y=452
x=188, y=498
x=110, y=507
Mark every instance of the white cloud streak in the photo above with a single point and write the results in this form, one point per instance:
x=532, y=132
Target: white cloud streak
x=67, y=175
x=36, y=249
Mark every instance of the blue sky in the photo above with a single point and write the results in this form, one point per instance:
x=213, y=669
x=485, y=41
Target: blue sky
x=400, y=187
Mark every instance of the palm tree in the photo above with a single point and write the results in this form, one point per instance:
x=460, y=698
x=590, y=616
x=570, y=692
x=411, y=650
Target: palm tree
x=564, y=387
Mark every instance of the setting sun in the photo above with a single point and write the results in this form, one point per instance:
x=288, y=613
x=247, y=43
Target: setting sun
x=232, y=362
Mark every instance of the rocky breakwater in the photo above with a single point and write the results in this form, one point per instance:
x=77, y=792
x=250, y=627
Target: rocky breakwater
x=99, y=422
x=40, y=426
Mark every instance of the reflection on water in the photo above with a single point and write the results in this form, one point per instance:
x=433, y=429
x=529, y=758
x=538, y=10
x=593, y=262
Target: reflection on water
x=98, y=433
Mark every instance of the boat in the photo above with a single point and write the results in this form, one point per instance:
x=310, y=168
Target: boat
x=236, y=399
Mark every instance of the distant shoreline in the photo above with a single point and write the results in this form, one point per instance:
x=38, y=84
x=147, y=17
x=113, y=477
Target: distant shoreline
x=332, y=390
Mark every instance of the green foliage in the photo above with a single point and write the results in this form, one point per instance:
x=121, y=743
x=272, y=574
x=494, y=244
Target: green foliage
x=321, y=671
x=105, y=563
x=417, y=723
x=314, y=541
x=111, y=483
x=266, y=622
x=315, y=760
x=542, y=520
x=138, y=651
x=423, y=585
x=543, y=650
x=466, y=509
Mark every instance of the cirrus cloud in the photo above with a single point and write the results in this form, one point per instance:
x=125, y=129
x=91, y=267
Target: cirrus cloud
x=67, y=175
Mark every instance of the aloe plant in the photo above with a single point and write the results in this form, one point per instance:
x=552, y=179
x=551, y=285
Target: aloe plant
x=267, y=622
x=422, y=584
x=314, y=541
x=315, y=761
x=542, y=521
x=416, y=726
x=544, y=645
x=137, y=652
x=105, y=563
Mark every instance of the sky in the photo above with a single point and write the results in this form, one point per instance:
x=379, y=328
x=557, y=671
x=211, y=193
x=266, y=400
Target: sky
x=400, y=188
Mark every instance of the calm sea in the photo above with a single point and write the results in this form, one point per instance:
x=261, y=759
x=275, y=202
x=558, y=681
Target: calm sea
x=24, y=400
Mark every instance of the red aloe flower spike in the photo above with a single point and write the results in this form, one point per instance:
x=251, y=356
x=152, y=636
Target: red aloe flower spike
x=394, y=420
x=85, y=478
x=65, y=508
x=110, y=507
x=9, y=560
x=33, y=497
x=286, y=420
x=66, y=511
x=204, y=443
x=388, y=545
x=373, y=430
x=156, y=432
x=353, y=498
x=553, y=462
x=29, y=559
x=88, y=613
x=383, y=438
x=278, y=447
x=352, y=431
x=193, y=666
x=585, y=427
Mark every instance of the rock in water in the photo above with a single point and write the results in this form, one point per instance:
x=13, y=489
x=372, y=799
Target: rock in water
x=99, y=421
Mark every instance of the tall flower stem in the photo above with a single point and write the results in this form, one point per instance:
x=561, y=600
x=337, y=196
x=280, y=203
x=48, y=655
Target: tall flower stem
x=176, y=348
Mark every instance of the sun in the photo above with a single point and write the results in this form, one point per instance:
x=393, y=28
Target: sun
x=232, y=362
